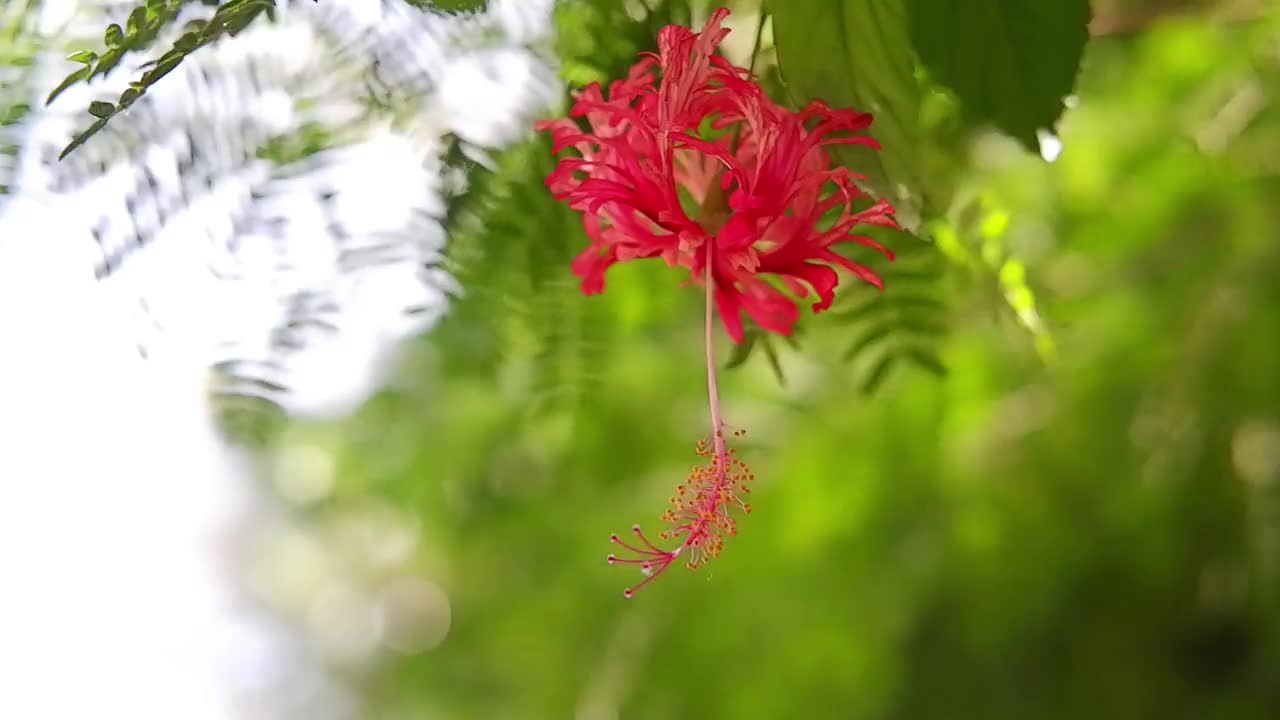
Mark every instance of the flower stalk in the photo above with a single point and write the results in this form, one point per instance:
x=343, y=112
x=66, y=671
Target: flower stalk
x=716, y=488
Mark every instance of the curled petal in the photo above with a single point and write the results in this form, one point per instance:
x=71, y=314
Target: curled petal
x=763, y=180
x=767, y=306
x=727, y=305
x=821, y=278
x=862, y=271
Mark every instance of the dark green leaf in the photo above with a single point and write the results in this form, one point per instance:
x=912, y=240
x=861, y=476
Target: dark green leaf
x=1011, y=62
x=927, y=359
x=114, y=36
x=128, y=97
x=235, y=22
x=794, y=338
x=772, y=355
x=79, y=139
x=100, y=109
x=107, y=62
x=856, y=53
x=921, y=324
x=868, y=339
x=174, y=55
x=187, y=42
x=136, y=22
x=742, y=351
x=879, y=304
x=68, y=81
x=164, y=67
x=453, y=5
x=878, y=373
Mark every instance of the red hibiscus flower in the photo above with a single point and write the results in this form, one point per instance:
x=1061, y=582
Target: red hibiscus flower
x=759, y=188
x=700, y=168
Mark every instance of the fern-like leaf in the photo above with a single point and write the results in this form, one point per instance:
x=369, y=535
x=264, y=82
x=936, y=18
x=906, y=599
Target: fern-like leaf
x=142, y=27
x=904, y=323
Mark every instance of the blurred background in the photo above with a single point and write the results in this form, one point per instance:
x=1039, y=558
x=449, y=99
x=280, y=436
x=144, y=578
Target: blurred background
x=304, y=415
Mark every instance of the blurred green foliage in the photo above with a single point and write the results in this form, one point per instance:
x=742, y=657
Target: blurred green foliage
x=15, y=66
x=1097, y=535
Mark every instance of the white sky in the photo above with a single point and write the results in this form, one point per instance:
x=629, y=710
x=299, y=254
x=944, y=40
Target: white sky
x=119, y=503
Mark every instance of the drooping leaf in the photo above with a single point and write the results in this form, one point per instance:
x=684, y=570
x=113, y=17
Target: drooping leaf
x=129, y=96
x=869, y=338
x=856, y=53
x=107, y=62
x=452, y=5
x=1011, y=62
x=742, y=351
x=927, y=359
x=187, y=42
x=67, y=82
x=907, y=321
x=771, y=354
x=876, y=377
x=79, y=140
x=114, y=36
x=137, y=22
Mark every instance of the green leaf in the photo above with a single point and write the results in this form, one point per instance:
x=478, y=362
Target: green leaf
x=771, y=354
x=128, y=97
x=187, y=43
x=172, y=56
x=136, y=22
x=162, y=68
x=453, y=5
x=1011, y=62
x=869, y=338
x=88, y=57
x=234, y=20
x=742, y=350
x=68, y=81
x=878, y=304
x=108, y=61
x=856, y=53
x=80, y=139
x=878, y=374
x=794, y=338
x=927, y=359
x=100, y=109
x=114, y=36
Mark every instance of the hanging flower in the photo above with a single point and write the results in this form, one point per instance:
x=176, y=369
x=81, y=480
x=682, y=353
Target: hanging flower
x=699, y=514
x=688, y=160
x=757, y=181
